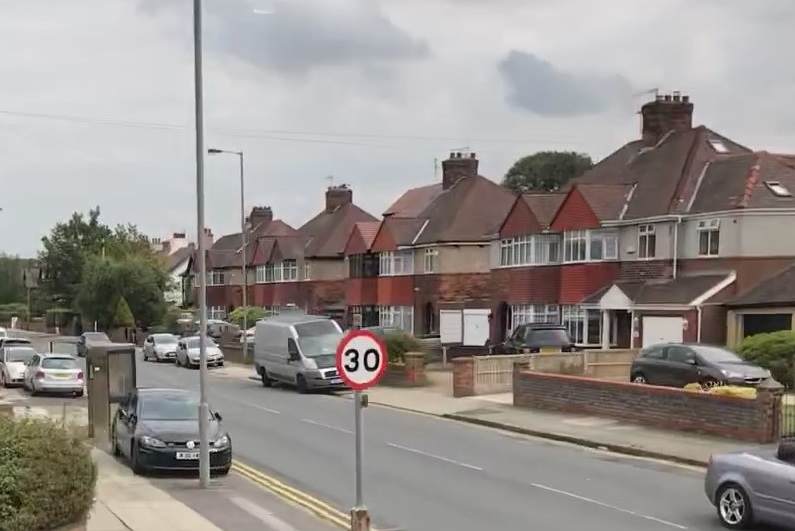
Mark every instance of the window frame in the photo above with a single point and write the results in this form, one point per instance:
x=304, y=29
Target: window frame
x=647, y=242
x=708, y=231
x=529, y=250
x=430, y=260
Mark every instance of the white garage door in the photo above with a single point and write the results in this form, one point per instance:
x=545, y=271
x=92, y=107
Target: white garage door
x=662, y=330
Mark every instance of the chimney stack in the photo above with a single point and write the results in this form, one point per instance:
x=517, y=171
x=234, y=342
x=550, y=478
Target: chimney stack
x=337, y=196
x=259, y=215
x=208, y=239
x=669, y=112
x=458, y=166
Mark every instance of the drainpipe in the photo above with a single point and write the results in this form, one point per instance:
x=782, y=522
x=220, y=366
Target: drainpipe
x=698, y=323
x=676, y=246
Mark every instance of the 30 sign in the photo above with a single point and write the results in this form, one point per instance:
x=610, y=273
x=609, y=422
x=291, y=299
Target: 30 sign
x=361, y=359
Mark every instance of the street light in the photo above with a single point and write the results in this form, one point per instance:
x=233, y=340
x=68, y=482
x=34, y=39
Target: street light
x=204, y=408
x=243, y=230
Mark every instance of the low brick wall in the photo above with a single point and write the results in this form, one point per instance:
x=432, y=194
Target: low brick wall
x=660, y=407
x=234, y=353
x=479, y=375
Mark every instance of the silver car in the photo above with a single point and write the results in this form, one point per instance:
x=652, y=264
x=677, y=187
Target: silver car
x=188, y=352
x=54, y=373
x=160, y=347
x=13, y=359
x=748, y=488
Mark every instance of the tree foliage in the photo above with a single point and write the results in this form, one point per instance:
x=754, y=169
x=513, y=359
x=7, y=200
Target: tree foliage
x=251, y=313
x=124, y=316
x=546, y=171
x=775, y=351
x=12, y=272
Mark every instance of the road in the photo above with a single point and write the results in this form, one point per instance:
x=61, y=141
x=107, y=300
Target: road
x=423, y=473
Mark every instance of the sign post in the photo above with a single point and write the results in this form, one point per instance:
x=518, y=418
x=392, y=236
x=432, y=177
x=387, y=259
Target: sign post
x=361, y=362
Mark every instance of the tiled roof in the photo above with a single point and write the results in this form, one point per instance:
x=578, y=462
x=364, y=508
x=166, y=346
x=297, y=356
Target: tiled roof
x=177, y=257
x=606, y=200
x=778, y=290
x=414, y=201
x=229, y=242
x=742, y=181
x=544, y=206
x=675, y=291
x=368, y=231
x=328, y=232
x=471, y=210
x=789, y=160
x=403, y=230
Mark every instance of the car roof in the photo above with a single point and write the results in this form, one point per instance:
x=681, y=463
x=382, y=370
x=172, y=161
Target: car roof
x=143, y=391
x=545, y=326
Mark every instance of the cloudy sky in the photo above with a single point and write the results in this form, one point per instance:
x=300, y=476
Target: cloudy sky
x=96, y=98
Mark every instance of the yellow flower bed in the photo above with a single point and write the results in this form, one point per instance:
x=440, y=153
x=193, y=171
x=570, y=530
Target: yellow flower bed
x=724, y=390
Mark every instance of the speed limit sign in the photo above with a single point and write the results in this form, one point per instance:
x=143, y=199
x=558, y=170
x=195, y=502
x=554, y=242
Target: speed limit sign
x=361, y=359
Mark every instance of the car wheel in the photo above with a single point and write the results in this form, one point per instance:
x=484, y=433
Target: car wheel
x=146, y=356
x=639, y=378
x=266, y=380
x=734, y=507
x=134, y=463
x=300, y=384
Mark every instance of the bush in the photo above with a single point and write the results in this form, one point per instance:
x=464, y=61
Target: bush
x=775, y=351
x=398, y=343
x=123, y=316
x=47, y=477
x=14, y=309
x=251, y=313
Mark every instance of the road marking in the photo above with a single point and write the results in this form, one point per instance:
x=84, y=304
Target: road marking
x=249, y=404
x=606, y=505
x=434, y=456
x=319, y=508
x=328, y=426
x=273, y=522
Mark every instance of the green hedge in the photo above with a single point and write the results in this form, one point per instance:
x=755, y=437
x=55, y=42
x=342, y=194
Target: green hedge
x=398, y=343
x=775, y=352
x=47, y=477
x=14, y=309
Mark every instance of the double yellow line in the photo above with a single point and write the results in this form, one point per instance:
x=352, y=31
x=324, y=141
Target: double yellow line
x=320, y=509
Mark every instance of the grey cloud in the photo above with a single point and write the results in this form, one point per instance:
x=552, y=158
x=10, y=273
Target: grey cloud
x=297, y=36
x=536, y=85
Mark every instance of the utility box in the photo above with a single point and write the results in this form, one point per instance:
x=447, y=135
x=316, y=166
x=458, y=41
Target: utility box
x=110, y=375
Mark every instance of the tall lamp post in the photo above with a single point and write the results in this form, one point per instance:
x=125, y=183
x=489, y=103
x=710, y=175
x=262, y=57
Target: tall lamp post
x=204, y=408
x=243, y=230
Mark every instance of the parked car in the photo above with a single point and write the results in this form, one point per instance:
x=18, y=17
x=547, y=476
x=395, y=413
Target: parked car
x=87, y=339
x=678, y=364
x=249, y=335
x=158, y=429
x=753, y=487
x=54, y=373
x=13, y=359
x=188, y=352
x=160, y=347
x=537, y=337
x=3, y=332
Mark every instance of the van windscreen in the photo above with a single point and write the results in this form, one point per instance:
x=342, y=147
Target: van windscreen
x=316, y=328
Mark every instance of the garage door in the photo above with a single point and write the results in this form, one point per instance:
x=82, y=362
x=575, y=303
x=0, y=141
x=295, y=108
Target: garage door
x=661, y=330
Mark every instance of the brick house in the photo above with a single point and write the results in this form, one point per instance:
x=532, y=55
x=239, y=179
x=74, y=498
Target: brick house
x=654, y=240
x=434, y=250
x=361, y=283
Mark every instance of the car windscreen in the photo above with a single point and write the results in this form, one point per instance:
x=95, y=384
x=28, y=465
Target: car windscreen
x=164, y=339
x=716, y=354
x=19, y=354
x=314, y=346
x=321, y=327
x=58, y=363
x=169, y=406
x=548, y=336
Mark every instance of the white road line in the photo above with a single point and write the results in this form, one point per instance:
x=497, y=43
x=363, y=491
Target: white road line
x=271, y=520
x=328, y=426
x=249, y=404
x=606, y=505
x=433, y=456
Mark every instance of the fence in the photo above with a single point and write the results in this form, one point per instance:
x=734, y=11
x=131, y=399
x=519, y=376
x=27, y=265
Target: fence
x=480, y=375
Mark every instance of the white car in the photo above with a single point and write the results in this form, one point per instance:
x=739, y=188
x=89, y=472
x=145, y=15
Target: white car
x=13, y=359
x=188, y=353
x=160, y=347
x=249, y=334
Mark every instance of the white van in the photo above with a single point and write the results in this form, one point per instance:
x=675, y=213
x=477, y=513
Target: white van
x=299, y=350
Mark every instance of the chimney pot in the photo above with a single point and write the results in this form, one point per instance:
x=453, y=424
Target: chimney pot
x=473, y=155
x=458, y=167
x=685, y=99
x=667, y=97
x=337, y=196
x=671, y=113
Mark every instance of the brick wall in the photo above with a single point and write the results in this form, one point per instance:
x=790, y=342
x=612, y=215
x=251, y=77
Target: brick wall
x=659, y=407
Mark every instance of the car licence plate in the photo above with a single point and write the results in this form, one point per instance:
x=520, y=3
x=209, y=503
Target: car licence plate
x=550, y=350
x=187, y=455
x=61, y=375
x=335, y=381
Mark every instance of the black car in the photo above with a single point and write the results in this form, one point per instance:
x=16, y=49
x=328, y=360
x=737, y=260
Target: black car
x=678, y=364
x=87, y=338
x=158, y=429
x=538, y=337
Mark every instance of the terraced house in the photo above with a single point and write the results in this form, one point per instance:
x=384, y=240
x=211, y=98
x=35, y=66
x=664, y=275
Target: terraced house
x=654, y=243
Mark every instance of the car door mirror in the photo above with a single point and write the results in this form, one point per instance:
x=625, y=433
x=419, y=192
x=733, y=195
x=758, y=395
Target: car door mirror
x=218, y=416
x=691, y=361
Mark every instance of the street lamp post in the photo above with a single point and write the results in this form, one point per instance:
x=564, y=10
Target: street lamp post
x=204, y=408
x=243, y=230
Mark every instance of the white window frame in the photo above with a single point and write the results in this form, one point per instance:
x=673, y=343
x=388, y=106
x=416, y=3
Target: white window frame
x=711, y=229
x=430, y=260
x=259, y=277
x=216, y=277
x=385, y=262
x=289, y=271
x=533, y=313
x=578, y=246
x=530, y=250
x=647, y=242
x=575, y=246
x=578, y=321
x=396, y=263
x=400, y=317
x=216, y=312
x=306, y=271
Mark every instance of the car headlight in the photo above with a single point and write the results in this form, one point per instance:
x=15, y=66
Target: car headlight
x=310, y=363
x=152, y=442
x=221, y=442
x=731, y=374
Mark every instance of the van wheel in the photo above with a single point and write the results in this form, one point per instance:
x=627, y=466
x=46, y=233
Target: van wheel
x=300, y=384
x=266, y=381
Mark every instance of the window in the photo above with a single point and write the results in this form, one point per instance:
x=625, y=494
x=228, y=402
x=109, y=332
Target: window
x=655, y=353
x=533, y=313
x=777, y=189
x=393, y=263
x=708, y=237
x=277, y=272
x=306, y=270
x=216, y=278
x=680, y=354
x=718, y=146
x=290, y=270
x=385, y=263
x=216, y=312
x=401, y=317
x=269, y=273
x=536, y=249
x=585, y=326
x=260, y=274
x=647, y=241
x=362, y=265
x=431, y=256
x=573, y=318
x=603, y=245
x=575, y=245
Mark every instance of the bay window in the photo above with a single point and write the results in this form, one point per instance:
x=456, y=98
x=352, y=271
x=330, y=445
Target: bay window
x=400, y=317
x=533, y=313
x=534, y=249
x=585, y=326
x=647, y=241
x=395, y=263
x=708, y=237
x=430, y=257
x=590, y=245
x=260, y=275
x=385, y=261
x=575, y=243
x=286, y=271
x=216, y=277
x=363, y=265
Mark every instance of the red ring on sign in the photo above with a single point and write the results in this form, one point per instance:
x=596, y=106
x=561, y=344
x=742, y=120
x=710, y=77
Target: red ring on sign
x=381, y=370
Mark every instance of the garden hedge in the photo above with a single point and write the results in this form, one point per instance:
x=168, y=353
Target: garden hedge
x=775, y=351
x=47, y=476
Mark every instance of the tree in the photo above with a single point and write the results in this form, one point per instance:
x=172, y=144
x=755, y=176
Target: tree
x=251, y=313
x=124, y=316
x=546, y=171
x=12, y=287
